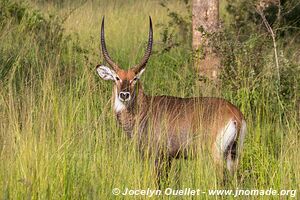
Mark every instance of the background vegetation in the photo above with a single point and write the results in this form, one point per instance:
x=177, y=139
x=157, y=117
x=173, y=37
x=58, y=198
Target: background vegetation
x=58, y=135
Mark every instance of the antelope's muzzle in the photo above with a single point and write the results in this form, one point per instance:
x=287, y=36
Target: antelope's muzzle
x=124, y=96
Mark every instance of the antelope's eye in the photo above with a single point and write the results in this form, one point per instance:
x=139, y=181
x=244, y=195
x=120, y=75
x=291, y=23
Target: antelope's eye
x=117, y=78
x=135, y=79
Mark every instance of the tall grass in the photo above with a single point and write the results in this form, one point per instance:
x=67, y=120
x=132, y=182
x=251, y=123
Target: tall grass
x=58, y=135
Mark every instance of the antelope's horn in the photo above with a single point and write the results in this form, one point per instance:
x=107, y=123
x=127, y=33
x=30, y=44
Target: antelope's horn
x=147, y=54
x=104, y=50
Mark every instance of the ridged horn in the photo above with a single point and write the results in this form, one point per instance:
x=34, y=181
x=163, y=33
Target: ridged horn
x=148, y=51
x=106, y=56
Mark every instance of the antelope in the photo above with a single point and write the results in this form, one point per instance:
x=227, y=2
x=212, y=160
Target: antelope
x=171, y=127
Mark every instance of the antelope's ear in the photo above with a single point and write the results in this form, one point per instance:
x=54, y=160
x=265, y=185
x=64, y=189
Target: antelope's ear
x=105, y=72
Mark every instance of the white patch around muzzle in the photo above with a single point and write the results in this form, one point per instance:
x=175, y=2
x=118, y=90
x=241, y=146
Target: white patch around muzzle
x=118, y=105
x=124, y=100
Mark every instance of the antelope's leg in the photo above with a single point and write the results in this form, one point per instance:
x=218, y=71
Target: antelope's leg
x=162, y=168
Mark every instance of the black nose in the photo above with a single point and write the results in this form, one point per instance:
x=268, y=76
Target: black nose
x=124, y=96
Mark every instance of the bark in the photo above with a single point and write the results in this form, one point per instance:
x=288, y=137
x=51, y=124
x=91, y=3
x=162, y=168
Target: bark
x=206, y=18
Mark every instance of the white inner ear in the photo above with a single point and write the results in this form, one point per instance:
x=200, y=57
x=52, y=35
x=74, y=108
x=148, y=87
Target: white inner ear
x=106, y=73
x=138, y=76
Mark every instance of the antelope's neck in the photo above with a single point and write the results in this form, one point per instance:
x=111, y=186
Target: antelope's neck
x=129, y=115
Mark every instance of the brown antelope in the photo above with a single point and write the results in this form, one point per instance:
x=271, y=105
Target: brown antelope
x=168, y=126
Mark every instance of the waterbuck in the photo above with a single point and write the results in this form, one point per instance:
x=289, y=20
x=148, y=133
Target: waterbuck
x=169, y=127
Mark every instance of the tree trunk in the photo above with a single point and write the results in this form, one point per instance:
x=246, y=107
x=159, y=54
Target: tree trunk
x=205, y=20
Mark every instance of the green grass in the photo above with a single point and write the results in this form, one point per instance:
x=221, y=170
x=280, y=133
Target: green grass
x=58, y=135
